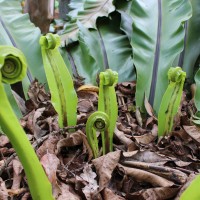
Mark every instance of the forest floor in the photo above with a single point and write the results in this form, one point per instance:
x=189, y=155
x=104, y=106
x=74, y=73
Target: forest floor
x=141, y=166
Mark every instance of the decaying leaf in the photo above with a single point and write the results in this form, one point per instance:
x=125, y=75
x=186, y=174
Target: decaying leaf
x=108, y=194
x=17, y=174
x=154, y=193
x=142, y=175
x=3, y=190
x=73, y=140
x=193, y=132
x=104, y=166
x=148, y=137
x=48, y=145
x=4, y=140
x=50, y=164
x=67, y=192
x=92, y=187
x=130, y=145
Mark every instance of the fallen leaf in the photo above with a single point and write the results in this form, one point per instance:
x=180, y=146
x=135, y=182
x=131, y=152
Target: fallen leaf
x=149, y=108
x=16, y=192
x=89, y=176
x=85, y=106
x=50, y=164
x=90, y=88
x=148, y=137
x=67, y=192
x=146, y=156
x=17, y=174
x=104, y=166
x=37, y=130
x=193, y=132
x=48, y=145
x=127, y=88
x=73, y=140
x=108, y=194
x=138, y=117
x=26, y=196
x=154, y=193
x=169, y=173
x=4, y=140
x=3, y=190
x=130, y=145
x=142, y=175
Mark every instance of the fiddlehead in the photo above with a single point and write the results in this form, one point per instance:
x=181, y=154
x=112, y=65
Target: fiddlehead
x=171, y=100
x=12, y=65
x=63, y=95
x=97, y=121
x=13, y=69
x=108, y=103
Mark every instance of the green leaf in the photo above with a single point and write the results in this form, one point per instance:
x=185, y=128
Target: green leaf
x=12, y=101
x=102, y=48
x=92, y=10
x=157, y=38
x=197, y=93
x=123, y=7
x=192, y=47
x=63, y=95
x=13, y=68
x=24, y=34
x=192, y=192
x=75, y=6
x=171, y=100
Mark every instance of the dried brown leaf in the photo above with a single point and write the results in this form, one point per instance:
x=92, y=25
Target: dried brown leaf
x=130, y=145
x=108, y=194
x=3, y=190
x=37, y=130
x=50, y=164
x=4, y=140
x=85, y=106
x=104, y=166
x=88, y=88
x=91, y=187
x=147, y=156
x=193, y=132
x=138, y=116
x=148, y=137
x=142, y=175
x=26, y=196
x=73, y=140
x=166, y=172
x=16, y=192
x=149, y=108
x=154, y=194
x=48, y=145
x=67, y=192
x=17, y=174
x=127, y=88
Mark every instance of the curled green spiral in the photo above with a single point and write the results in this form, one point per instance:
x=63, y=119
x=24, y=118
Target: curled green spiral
x=97, y=121
x=50, y=41
x=176, y=74
x=13, y=65
x=109, y=77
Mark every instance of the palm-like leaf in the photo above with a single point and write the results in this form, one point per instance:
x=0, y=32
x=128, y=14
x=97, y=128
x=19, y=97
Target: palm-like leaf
x=197, y=93
x=123, y=8
x=75, y=6
x=192, y=47
x=104, y=47
x=92, y=10
x=158, y=37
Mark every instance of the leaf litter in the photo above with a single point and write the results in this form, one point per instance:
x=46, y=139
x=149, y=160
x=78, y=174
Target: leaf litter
x=140, y=167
